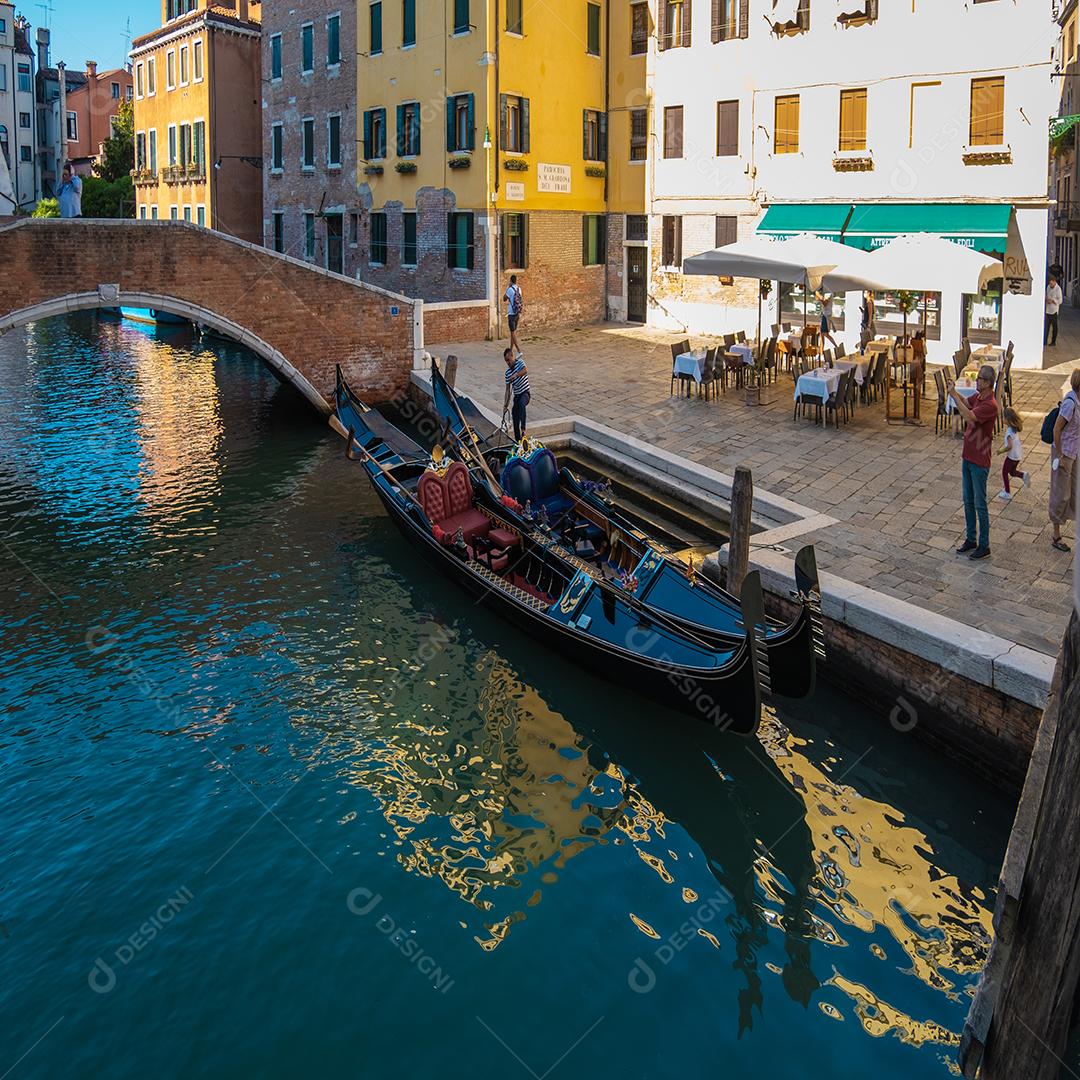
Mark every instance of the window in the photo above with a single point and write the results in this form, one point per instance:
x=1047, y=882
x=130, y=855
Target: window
x=853, y=119
x=151, y=76
x=786, y=120
x=375, y=28
x=184, y=80
x=639, y=29
x=408, y=22
x=515, y=241
x=923, y=112
x=153, y=150
x=333, y=141
x=140, y=150
x=3, y=26
x=307, y=48
x=459, y=241
x=374, y=134
x=187, y=213
x=378, y=238
x=673, y=143
x=408, y=238
x=675, y=19
x=727, y=228
x=593, y=239
x=275, y=56
x=408, y=129
x=153, y=213
x=279, y=231
x=461, y=17
x=513, y=17
x=25, y=85
x=333, y=40
x=637, y=227
x=727, y=128
x=200, y=216
x=24, y=119
x=514, y=124
x=170, y=70
x=725, y=20
x=594, y=135
x=72, y=127
x=198, y=146
x=3, y=77
x=185, y=145
x=277, y=147
x=172, y=144
x=4, y=143
x=139, y=69
x=142, y=213
x=197, y=61
x=128, y=93
x=987, y=111
x=354, y=229
x=460, y=123
x=174, y=213
x=26, y=154
x=307, y=139
x=639, y=134
x=309, y=236
x=592, y=29
x=671, y=242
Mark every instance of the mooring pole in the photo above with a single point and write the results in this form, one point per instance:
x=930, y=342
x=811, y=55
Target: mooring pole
x=742, y=501
x=450, y=370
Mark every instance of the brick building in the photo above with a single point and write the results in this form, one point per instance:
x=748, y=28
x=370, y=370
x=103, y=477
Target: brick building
x=309, y=132
x=90, y=105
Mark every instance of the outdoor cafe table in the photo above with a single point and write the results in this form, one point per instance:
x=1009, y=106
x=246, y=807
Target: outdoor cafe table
x=744, y=351
x=819, y=384
x=966, y=388
x=858, y=366
x=989, y=354
x=690, y=363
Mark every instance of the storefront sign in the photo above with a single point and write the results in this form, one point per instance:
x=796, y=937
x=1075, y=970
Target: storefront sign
x=554, y=178
x=515, y=192
x=1016, y=266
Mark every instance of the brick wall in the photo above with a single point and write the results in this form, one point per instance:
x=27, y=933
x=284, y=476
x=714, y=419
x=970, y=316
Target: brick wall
x=616, y=287
x=443, y=325
x=314, y=319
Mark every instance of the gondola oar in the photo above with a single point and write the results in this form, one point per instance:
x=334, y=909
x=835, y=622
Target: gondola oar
x=452, y=398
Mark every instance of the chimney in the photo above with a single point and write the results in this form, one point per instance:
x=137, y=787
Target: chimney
x=91, y=70
x=42, y=48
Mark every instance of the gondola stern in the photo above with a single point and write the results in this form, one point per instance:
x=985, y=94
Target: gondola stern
x=752, y=602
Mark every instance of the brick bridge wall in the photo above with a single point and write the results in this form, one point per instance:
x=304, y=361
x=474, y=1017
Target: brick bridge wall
x=299, y=318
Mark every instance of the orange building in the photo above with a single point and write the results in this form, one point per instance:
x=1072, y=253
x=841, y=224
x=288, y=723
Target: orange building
x=198, y=124
x=91, y=107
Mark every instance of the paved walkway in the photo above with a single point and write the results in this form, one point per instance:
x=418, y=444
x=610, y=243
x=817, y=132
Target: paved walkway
x=894, y=488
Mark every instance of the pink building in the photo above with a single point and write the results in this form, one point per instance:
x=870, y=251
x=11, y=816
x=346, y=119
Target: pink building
x=90, y=109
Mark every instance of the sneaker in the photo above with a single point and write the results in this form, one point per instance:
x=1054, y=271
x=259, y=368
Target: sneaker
x=1027, y=479
x=980, y=553
x=1003, y=494
x=966, y=546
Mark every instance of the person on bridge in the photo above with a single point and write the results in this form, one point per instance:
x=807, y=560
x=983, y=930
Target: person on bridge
x=517, y=380
x=69, y=194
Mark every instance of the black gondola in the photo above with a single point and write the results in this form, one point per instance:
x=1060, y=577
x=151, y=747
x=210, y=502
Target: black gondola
x=556, y=598
x=577, y=516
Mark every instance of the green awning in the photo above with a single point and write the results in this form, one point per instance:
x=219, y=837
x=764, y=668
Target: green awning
x=821, y=219
x=983, y=227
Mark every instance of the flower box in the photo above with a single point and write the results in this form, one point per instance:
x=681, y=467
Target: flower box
x=516, y=165
x=373, y=170
x=405, y=166
x=460, y=162
x=596, y=170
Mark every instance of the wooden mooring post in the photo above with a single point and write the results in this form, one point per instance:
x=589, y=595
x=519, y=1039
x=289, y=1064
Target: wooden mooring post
x=1020, y=1017
x=449, y=370
x=742, y=502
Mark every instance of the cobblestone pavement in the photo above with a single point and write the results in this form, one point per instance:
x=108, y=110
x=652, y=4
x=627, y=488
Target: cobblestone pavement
x=894, y=488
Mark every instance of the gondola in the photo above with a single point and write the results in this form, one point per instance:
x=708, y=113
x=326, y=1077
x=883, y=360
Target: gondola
x=586, y=523
x=558, y=599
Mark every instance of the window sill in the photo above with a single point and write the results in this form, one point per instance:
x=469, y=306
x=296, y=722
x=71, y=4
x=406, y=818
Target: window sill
x=309, y=71
x=853, y=161
x=407, y=266
x=309, y=169
x=515, y=34
x=461, y=33
x=998, y=154
x=408, y=46
x=334, y=168
x=333, y=69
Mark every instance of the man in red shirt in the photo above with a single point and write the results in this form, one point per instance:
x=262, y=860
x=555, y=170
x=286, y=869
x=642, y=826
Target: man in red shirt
x=980, y=412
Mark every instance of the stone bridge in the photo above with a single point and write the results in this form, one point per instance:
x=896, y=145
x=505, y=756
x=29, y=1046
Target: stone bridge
x=302, y=320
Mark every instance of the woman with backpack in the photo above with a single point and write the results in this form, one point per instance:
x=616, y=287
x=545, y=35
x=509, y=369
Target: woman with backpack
x=1063, y=451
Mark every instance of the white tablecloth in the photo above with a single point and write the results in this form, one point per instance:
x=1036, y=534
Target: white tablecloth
x=859, y=367
x=689, y=363
x=965, y=390
x=819, y=384
x=989, y=354
x=744, y=351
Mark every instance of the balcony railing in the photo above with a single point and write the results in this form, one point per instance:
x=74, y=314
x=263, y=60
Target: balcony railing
x=178, y=174
x=143, y=176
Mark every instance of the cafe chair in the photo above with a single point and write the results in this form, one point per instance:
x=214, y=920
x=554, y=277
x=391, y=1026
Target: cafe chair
x=942, y=418
x=838, y=400
x=682, y=378
x=841, y=352
x=959, y=362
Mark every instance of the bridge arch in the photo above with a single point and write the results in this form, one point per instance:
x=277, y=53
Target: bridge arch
x=300, y=319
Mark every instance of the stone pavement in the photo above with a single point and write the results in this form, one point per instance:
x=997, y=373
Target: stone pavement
x=894, y=488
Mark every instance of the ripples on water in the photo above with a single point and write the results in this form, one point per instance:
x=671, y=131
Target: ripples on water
x=315, y=812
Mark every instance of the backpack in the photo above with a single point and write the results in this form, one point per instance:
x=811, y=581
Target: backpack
x=1048, y=424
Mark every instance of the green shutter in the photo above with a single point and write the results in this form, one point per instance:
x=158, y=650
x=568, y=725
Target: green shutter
x=603, y=136
x=368, y=154
x=524, y=125
x=503, y=121
x=471, y=122
x=401, y=130
x=469, y=246
x=585, y=134
x=451, y=134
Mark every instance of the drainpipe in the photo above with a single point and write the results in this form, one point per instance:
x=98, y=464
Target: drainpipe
x=211, y=127
x=607, y=137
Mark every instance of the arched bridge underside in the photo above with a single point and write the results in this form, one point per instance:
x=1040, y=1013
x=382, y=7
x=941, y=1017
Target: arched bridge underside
x=300, y=319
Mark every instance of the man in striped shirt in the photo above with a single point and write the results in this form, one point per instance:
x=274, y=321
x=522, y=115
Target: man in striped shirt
x=517, y=381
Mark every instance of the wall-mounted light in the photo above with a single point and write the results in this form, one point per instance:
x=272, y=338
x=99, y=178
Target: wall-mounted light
x=256, y=162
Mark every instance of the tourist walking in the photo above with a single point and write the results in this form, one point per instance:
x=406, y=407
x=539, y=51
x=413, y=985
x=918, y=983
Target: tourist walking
x=1054, y=299
x=517, y=383
x=69, y=194
x=1014, y=453
x=826, y=301
x=980, y=416
x=1063, y=461
x=515, y=304
x=868, y=321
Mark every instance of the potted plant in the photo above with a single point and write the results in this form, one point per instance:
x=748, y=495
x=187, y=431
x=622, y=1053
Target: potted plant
x=459, y=161
x=596, y=170
x=405, y=166
x=373, y=170
x=516, y=165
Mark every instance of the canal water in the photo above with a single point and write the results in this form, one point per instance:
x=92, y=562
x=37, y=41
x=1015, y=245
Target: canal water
x=278, y=802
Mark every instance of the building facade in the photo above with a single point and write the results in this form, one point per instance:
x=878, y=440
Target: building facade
x=90, y=106
x=310, y=201
x=481, y=155
x=1063, y=250
x=18, y=130
x=938, y=125
x=198, y=93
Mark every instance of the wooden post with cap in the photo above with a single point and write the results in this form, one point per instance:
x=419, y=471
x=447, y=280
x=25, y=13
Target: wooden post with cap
x=742, y=502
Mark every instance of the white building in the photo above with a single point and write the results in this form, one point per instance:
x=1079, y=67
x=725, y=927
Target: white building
x=859, y=122
x=17, y=111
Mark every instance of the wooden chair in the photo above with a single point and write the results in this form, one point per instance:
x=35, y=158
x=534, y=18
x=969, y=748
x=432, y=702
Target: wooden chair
x=811, y=345
x=740, y=337
x=965, y=348
x=775, y=330
x=942, y=418
x=680, y=347
x=729, y=340
x=684, y=380
x=959, y=361
x=841, y=352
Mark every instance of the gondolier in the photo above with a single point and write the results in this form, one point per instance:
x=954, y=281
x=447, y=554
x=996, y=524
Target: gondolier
x=517, y=383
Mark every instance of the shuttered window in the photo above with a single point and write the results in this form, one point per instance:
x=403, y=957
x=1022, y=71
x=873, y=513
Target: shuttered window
x=853, y=119
x=675, y=19
x=727, y=226
x=307, y=48
x=515, y=233
x=514, y=123
x=374, y=134
x=593, y=239
x=375, y=28
x=639, y=29
x=513, y=16
x=333, y=40
x=786, y=121
x=460, y=122
x=461, y=16
x=671, y=241
x=725, y=19
x=459, y=241
x=307, y=142
x=987, y=111
x=408, y=22
x=594, y=135
x=592, y=29
x=378, y=238
x=673, y=131
x=408, y=129
x=639, y=134
x=727, y=128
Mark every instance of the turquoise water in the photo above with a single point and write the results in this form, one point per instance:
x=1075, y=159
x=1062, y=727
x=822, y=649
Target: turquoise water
x=277, y=802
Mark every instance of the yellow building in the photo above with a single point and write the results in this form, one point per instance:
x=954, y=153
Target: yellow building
x=494, y=138
x=198, y=128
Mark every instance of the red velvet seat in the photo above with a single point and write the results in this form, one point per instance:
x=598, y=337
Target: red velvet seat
x=448, y=502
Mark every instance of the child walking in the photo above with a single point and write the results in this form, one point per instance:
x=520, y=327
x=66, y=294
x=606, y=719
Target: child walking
x=1013, y=453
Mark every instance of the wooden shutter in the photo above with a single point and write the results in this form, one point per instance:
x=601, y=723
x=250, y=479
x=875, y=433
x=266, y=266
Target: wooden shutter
x=744, y=18
x=524, y=241
x=804, y=15
x=471, y=122
x=673, y=131
x=727, y=128
x=524, y=125
x=451, y=125
x=601, y=119
x=852, y=120
x=677, y=253
x=786, y=123
x=469, y=241
x=987, y=111
x=664, y=19
x=727, y=226
x=503, y=125
x=401, y=130
x=684, y=36
x=380, y=149
x=872, y=10
x=585, y=134
x=717, y=13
